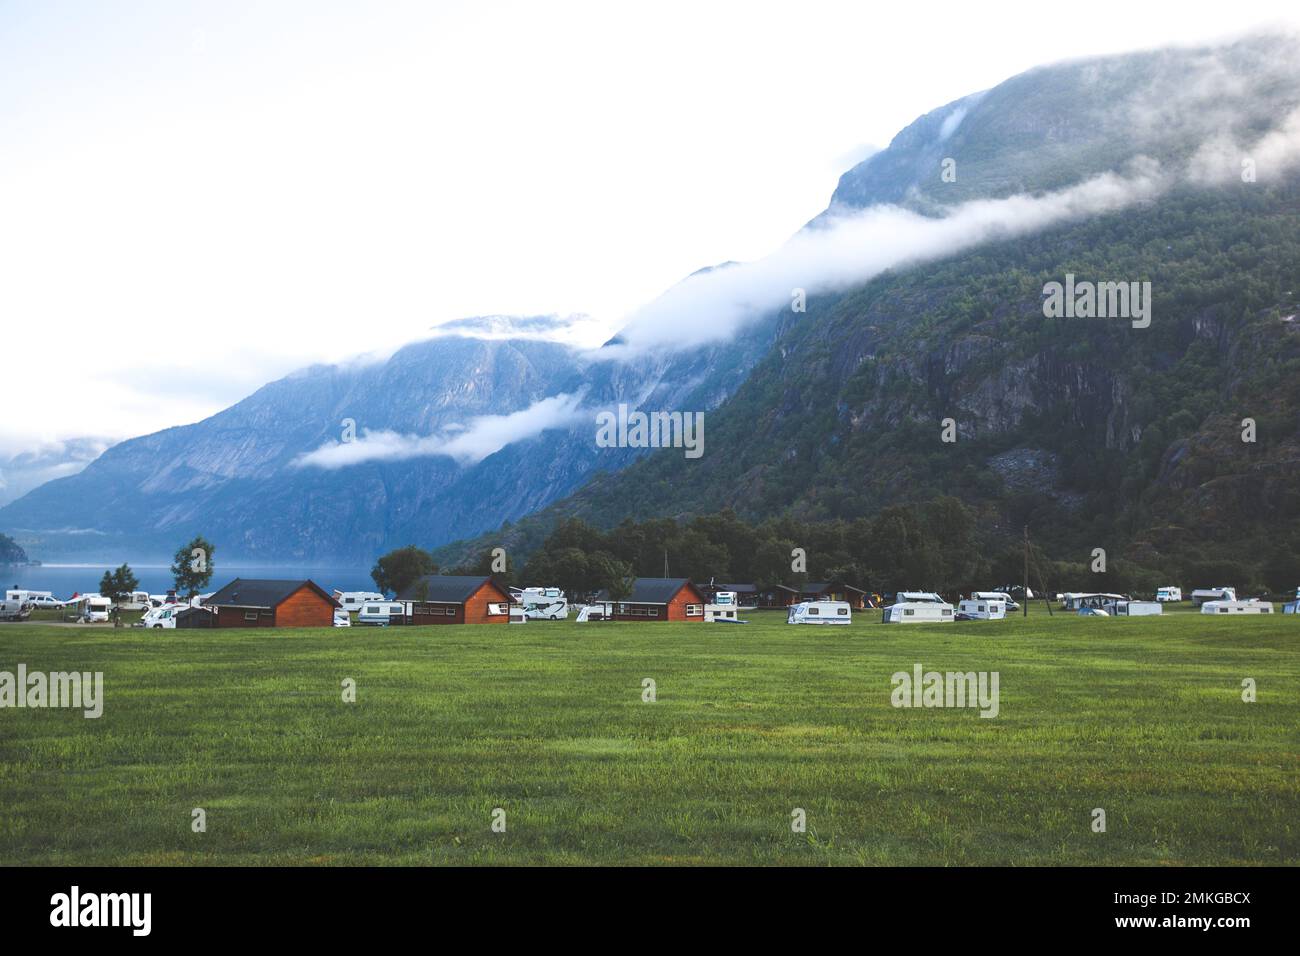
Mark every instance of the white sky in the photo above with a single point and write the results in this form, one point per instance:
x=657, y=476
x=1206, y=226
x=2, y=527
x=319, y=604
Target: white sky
x=197, y=198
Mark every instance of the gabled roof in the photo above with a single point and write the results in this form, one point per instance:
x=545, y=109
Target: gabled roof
x=817, y=587
x=447, y=588
x=651, y=591
x=261, y=592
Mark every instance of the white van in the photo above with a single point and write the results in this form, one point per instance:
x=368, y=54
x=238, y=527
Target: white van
x=819, y=612
x=353, y=600
x=980, y=609
x=377, y=613
x=1169, y=594
x=1253, y=606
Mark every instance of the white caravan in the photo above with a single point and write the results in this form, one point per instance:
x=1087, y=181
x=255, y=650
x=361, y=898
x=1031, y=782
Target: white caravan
x=1003, y=596
x=981, y=609
x=378, y=612
x=353, y=600
x=1169, y=594
x=1252, y=606
x=917, y=607
x=542, y=604
x=1076, y=600
x=1201, y=595
x=1135, y=608
x=36, y=598
x=819, y=612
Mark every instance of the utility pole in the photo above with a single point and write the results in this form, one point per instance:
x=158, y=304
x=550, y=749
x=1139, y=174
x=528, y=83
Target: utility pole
x=1024, y=598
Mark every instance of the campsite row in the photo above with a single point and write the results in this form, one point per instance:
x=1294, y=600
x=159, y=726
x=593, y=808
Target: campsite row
x=474, y=599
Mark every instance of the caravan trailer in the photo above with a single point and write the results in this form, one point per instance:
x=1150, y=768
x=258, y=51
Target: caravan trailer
x=976, y=609
x=1201, y=595
x=353, y=600
x=1169, y=594
x=917, y=607
x=1003, y=596
x=1135, y=608
x=1252, y=606
x=819, y=612
x=542, y=604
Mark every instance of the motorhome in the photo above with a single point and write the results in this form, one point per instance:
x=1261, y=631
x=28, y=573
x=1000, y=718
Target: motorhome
x=722, y=608
x=1167, y=595
x=1201, y=595
x=542, y=604
x=353, y=600
x=1252, y=606
x=1003, y=596
x=975, y=608
x=819, y=612
x=95, y=608
x=342, y=618
x=917, y=607
x=379, y=613
x=161, y=617
x=1134, y=608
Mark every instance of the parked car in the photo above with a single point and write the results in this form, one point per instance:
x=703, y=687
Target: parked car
x=379, y=613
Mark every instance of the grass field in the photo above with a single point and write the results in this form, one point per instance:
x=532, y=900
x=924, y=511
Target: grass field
x=1143, y=718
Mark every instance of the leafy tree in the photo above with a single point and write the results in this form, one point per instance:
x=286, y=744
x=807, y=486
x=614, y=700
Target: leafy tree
x=192, y=566
x=397, y=570
x=119, y=584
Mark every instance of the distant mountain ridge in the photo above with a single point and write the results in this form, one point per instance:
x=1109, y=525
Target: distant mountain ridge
x=831, y=411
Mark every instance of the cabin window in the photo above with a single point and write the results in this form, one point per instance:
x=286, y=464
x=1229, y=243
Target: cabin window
x=654, y=612
x=250, y=615
x=694, y=610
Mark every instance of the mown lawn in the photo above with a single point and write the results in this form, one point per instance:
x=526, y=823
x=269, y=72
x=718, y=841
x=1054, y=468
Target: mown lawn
x=1141, y=717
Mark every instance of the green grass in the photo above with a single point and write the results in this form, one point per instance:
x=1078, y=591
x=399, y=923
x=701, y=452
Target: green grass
x=1141, y=717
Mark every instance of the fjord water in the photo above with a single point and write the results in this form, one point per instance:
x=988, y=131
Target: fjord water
x=68, y=579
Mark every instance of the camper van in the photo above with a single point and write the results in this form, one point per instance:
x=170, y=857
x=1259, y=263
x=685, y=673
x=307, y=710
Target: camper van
x=1252, y=606
x=975, y=608
x=161, y=617
x=95, y=608
x=353, y=600
x=1003, y=596
x=1201, y=595
x=1168, y=595
x=819, y=612
x=722, y=608
x=917, y=607
x=542, y=604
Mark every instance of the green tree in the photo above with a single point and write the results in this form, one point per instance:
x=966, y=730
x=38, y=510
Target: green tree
x=397, y=570
x=192, y=566
x=118, y=585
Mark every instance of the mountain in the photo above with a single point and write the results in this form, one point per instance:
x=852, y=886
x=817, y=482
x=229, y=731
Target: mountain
x=239, y=477
x=1095, y=433
x=1098, y=433
x=28, y=469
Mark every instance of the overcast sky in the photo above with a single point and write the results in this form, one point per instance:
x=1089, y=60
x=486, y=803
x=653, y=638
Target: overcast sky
x=198, y=198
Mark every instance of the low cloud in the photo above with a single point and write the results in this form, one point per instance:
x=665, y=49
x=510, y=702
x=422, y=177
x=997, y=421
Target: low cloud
x=466, y=443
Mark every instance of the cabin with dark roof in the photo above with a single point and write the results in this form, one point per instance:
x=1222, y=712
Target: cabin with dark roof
x=252, y=602
x=778, y=596
x=834, y=591
x=456, y=599
x=658, y=599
